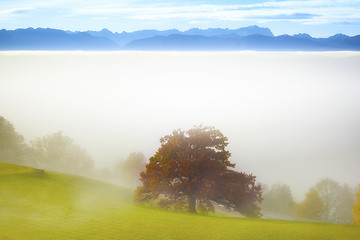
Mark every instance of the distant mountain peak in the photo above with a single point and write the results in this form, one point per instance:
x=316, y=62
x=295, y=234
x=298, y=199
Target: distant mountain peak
x=105, y=30
x=302, y=35
x=242, y=31
x=339, y=36
x=254, y=26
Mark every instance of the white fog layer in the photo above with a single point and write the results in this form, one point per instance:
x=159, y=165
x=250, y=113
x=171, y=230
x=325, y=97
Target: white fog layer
x=291, y=117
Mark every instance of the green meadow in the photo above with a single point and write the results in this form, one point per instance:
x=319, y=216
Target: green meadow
x=48, y=205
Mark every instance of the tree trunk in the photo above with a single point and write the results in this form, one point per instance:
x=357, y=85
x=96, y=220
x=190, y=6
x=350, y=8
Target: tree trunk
x=192, y=204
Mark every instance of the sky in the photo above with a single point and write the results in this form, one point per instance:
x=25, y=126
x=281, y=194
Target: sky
x=290, y=117
x=319, y=18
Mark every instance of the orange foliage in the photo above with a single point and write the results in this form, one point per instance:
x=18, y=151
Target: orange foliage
x=191, y=170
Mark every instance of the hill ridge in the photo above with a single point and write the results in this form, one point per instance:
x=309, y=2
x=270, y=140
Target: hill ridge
x=62, y=206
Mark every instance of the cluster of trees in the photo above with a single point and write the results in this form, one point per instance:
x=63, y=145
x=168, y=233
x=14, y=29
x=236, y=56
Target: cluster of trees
x=191, y=171
x=57, y=152
x=53, y=152
x=327, y=201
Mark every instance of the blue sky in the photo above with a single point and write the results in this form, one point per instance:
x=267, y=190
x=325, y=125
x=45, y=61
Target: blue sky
x=319, y=18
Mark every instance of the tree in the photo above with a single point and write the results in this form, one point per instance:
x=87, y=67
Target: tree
x=356, y=208
x=59, y=153
x=337, y=199
x=12, y=146
x=129, y=170
x=191, y=171
x=279, y=199
x=344, y=203
x=311, y=207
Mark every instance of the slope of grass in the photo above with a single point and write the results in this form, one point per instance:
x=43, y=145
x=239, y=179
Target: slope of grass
x=36, y=205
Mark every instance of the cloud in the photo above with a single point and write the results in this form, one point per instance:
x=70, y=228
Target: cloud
x=323, y=10
x=198, y=22
x=348, y=23
x=292, y=16
x=301, y=11
x=100, y=18
x=16, y=11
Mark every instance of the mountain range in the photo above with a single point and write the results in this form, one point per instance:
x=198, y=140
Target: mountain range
x=52, y=39
x=212, y=39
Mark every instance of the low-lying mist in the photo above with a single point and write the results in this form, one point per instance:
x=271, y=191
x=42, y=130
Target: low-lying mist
x=291, y=117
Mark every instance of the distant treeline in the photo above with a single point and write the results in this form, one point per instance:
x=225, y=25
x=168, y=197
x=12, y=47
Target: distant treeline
x=57, y=152
x=327, y=201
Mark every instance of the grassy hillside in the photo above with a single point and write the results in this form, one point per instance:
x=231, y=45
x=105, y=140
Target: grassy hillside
x=37, y=205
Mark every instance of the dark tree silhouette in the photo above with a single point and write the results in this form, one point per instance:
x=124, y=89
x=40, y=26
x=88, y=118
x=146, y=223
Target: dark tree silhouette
x=191, y=171
x=12, y=146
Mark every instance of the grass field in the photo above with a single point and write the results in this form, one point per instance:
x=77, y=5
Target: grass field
x=36, y=205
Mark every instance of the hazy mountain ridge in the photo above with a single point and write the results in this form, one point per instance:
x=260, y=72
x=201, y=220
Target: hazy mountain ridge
x=212, y=39
x=52, y=39
x=126, y=37
x=300, y=42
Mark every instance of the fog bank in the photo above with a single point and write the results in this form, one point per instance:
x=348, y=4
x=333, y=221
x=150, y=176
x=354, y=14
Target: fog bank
x=290, y=117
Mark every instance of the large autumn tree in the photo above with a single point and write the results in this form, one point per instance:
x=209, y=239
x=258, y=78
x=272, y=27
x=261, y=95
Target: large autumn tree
x=191, y=171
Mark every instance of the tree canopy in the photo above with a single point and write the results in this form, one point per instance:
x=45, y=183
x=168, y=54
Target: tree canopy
x=191, y=171
x=129, y=170
x=311, y=207
x=12, y=145
x=279, y=199
x=338, y=201
x=356, y=208
x=59, y=153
